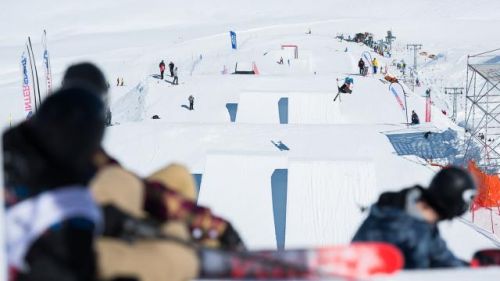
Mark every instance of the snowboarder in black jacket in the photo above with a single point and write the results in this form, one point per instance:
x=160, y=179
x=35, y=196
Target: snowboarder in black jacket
x=414, y=118
x=191, y=102
x=408, y=218
x=171, y=68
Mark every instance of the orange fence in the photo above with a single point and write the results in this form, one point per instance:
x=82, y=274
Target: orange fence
x=488, y=188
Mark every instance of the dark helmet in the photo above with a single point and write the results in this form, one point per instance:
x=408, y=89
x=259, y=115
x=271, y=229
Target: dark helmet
x=450, y=192
x=56, y=146
x=86, y=75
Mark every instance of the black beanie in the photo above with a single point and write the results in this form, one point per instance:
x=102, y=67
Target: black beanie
x=86, y=75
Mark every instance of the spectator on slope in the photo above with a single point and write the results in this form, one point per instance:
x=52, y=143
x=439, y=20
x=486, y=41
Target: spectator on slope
x=87, y=75
x=408, y=218
x=51, y=216
x=191, y=102
x=162, y=69
x=169, y=197
x=414, y=118
x=361, y=66
x=171, y=68
x=176, y=78
x=375, y=65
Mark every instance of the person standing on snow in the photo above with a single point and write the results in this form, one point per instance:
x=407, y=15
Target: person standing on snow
x=375, y=65
x=162, y=69
x=171, y=68
x=176, y=78
x=414, y=118
x=408, y=219
x=361, y=65
x=191, y=102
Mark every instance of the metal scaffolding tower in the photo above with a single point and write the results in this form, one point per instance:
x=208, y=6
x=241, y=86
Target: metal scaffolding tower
x=482, y=107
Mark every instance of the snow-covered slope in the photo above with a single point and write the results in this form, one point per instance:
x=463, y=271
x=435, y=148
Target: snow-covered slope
x=334, y=154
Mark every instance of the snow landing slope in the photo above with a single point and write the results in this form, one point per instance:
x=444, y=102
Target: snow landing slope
x=275, y=180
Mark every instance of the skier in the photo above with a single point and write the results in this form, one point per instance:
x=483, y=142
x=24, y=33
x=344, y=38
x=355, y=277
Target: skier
x=51, y=217
x=89, y=76
x=162, y=69
x=176, y=78
x=414, y=118
x=408, y=218
x=191, y=102
x=417, y=82
x=280, y=61
x=171, y=68
x=361, y=65
x=346, y=88
x=375, y=65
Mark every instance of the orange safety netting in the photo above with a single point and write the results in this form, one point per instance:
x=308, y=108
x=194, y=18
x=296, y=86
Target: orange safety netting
x=488, y=188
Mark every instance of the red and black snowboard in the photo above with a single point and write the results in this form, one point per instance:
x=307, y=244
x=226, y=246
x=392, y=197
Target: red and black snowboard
x=357, y=260
x=488, y=257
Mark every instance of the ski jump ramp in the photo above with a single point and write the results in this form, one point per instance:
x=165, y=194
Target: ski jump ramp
x=317, y=204
x=299, y=108
x=324, y=199
x=238, y=188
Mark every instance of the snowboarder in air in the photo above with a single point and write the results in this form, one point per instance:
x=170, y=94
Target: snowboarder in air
x=361, y=65
x=176, y=78
x=191, y=102
x=162, y=69
x=414, y=118
x=346, y=88
x=408, y=218
x=171, y=68
x=375, y=65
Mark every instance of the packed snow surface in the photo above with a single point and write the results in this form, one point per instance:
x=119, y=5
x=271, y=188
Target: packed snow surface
x=336, y=157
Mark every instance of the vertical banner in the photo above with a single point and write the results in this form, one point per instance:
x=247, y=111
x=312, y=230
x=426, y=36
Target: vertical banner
x=36, y=81
x=394, y=91
x=367, y=57
x=46, y=64
x=428, y=108
x=233, y=40
x=27, y=101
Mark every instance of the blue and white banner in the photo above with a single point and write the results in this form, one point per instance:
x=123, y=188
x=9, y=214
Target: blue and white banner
x=233, y=40
x=367, y=57
x=46, y=64
x=27, y=101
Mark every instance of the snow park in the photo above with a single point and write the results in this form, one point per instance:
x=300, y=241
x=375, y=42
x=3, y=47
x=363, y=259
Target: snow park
x=273, y=140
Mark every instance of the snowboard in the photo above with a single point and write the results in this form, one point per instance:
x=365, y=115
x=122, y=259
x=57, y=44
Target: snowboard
x=356, y=260
x=488, y=257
